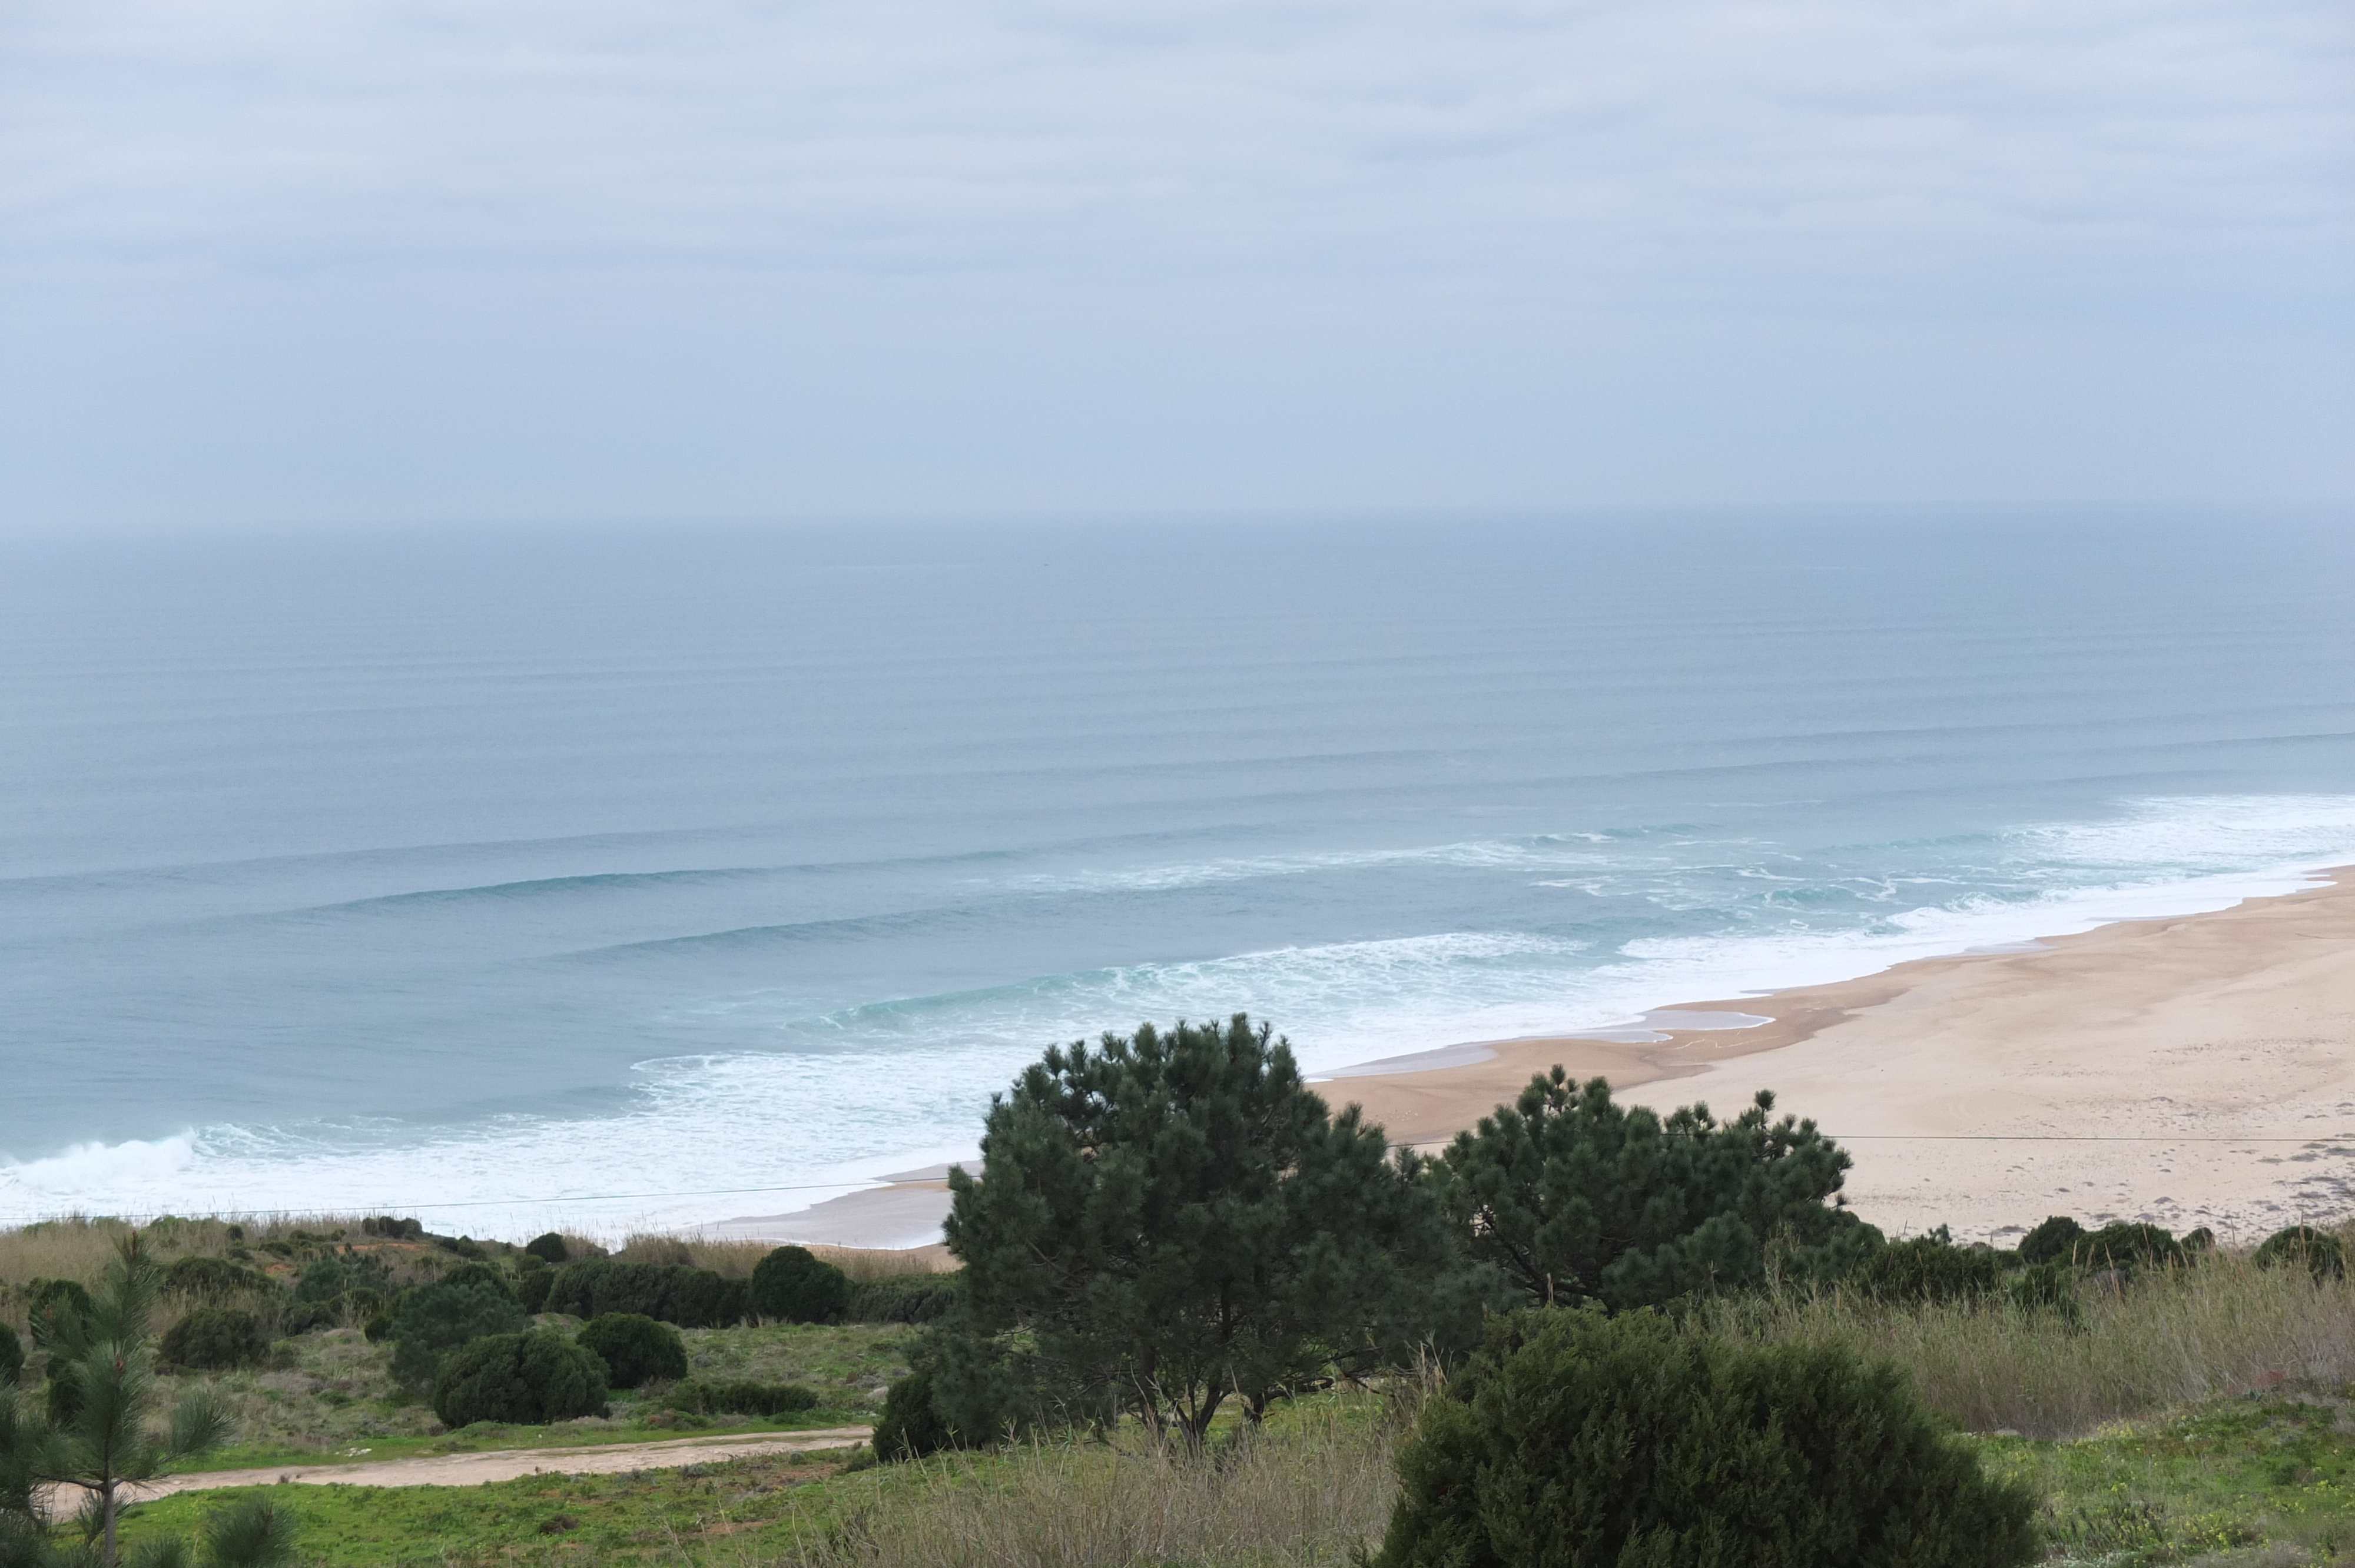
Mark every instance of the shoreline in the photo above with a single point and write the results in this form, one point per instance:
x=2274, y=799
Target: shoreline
x=2191, y=1070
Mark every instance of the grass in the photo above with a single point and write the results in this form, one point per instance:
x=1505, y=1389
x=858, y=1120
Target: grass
x=2176, y=1339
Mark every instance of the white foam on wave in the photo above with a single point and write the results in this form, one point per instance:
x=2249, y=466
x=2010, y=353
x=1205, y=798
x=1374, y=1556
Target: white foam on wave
x=854, y=1094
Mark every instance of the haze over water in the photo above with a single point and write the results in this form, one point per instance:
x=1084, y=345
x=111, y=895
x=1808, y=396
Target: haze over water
x=514, y=877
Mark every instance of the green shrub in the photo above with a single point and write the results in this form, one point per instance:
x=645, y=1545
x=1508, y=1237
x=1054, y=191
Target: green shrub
x=380, y=1225
x=528, y=1378
x=791, y=1285
x=2302, y=1246
x=479, y=1272
x=55, y=1299
x=433, y=1321
x=2129, y=1247
x=1927, y=1269
x=2047, y=1287
x=668, y=1293
x=2051, y=1242
x=215, y=1279
x=324, y=1278
x=1579, y=1441
x=12, y=1356
x=549, y=1248
x=2200, y=1241
x=910, y=1427
x=215, y=1339
x=903, y=1298
x=358, y=1305
x=532, y=1288
x=635, y=1349
x=698, y=1396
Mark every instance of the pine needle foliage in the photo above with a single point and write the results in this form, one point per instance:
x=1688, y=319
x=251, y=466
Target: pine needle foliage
x=1173, y=1219
x=1579, y=1441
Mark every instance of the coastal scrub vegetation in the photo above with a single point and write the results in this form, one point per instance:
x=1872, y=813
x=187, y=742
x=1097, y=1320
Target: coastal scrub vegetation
x=1202, y=1318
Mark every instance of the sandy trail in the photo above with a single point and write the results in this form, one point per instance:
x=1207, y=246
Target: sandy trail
x=508, y=1464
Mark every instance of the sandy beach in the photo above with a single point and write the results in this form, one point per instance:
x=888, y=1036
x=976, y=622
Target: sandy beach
x=2195, y=1071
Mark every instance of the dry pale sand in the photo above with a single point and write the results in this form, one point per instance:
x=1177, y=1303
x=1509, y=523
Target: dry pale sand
x=2198, y=1070
x=507, y=1464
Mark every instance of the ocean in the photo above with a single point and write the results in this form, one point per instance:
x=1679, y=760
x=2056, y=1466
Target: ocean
x=608, y=877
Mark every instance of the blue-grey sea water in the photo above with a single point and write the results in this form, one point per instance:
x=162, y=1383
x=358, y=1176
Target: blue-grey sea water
x=601, y=876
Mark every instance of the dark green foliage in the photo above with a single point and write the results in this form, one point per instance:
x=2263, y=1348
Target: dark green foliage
x=358, y=1305
x=669, y=1293
x=1575, y=1197
x=2200, y=1241
x=464, y=1246
x=2052, y=1242
x=2303, y=1247
x=1176, y=1218
x=2047, y=1287
x=702, y=1396
x=328, y=1276
x=549, y=1248
x=432, y=1321
x=389, y=1228
x=1579, y=1441
x=528, y=1378
x=634, y=1349
x=910, y=1427
x=1929, y=1268
x=216, y=1279
x=793, y=1284
x=2128, y=1248
x=12, y=1356
x=215, y=1339
x=903, y=1298
x=478, y=1273
x=53, y=1301
x=532, y=1288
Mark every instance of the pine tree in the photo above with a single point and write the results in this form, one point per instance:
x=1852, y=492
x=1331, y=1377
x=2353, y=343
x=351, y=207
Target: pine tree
x=1578, y=1198
x=97, y=1432
x=1176, y=1219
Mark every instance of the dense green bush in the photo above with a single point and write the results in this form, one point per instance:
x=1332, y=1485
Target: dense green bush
x=668, y=1293
x=635, y=1347
x=793, y=1284
x=903, y=1298
x=549, y=1248
x=1579, y=1441
x=432, y=1321
x=11, y=1355
x=528, y=1378
x=53, y=1298
x=2047, y=1287
x=479, y=1272
x=215, y=1279
x=215, y=1339
x=2051, y=1242
x=2304, y=1246
x=358, y=1305
x=910, y=1427
x=385, y=1225
x=1575, y=1197
x=2129, y=1247
x=700, y=1396
x=532, y=1288
x=1928, y=1269
x=324, y=1278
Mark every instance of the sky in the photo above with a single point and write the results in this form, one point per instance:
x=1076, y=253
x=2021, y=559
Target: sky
x=318, y=263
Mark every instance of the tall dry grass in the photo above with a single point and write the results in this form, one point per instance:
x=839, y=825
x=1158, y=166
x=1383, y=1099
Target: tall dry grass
x=1300, y=1493
x=2171, y=1339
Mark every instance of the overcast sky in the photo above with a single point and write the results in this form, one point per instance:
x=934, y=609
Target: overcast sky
x=286, y=261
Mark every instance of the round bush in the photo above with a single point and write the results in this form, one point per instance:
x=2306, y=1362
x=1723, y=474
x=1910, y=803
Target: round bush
x=54, y=1298
x=215, y=1339
x=635, y=1347
x=2304, y=1246
x=1579, y=1441
x=2051, y=1242
x=215, y=1279
x=2129, y=1247
x=793, y=1286
x=11, y=1355
x=432, y=1321
x=1931, y=1268
x=910, y=1427
x=550, y=1248
x=532, y=1288
x=526, y=1378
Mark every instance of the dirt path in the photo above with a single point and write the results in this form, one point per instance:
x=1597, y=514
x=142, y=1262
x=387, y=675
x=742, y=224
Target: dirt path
x=507, y=1464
